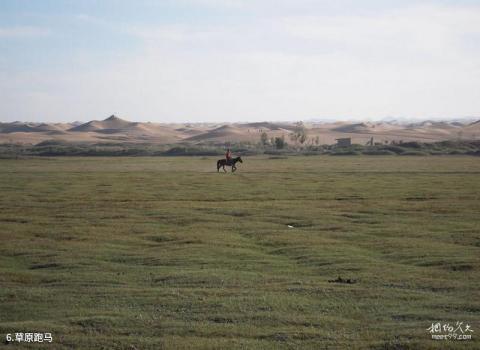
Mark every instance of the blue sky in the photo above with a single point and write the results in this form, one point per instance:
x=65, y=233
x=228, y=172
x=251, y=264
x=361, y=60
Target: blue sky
x=234, y=60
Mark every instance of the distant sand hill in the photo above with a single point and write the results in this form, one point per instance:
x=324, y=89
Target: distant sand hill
x=115, y=129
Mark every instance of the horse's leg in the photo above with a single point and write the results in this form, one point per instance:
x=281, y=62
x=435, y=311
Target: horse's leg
x=234, y=168
x=224, y=170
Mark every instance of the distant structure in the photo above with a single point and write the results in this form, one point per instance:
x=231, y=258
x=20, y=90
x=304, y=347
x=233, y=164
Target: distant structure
x=370, y=142
x=344, y=142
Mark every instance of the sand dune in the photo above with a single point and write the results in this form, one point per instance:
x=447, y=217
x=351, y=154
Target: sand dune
x=19, y=127
x=267, y=126
x=367, y=128
x=115, y=129
x=473, y=126
x=222, y=132
x=111, y=123
x=119, y=129
x=353, y=128
x=249, y=132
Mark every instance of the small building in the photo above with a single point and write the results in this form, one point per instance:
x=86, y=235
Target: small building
x=344, y=142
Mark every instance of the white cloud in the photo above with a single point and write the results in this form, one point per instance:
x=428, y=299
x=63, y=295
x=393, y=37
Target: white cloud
x=176, y=33
x=23, y=32
x=430, y=30
x=418, y=62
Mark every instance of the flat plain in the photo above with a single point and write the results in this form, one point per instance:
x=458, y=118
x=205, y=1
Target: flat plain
x=166, y=253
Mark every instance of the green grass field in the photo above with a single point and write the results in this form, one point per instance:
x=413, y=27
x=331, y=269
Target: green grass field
x=164, y=253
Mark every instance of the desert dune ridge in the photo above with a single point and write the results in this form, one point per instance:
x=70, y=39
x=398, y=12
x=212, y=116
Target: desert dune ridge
x=114, y=128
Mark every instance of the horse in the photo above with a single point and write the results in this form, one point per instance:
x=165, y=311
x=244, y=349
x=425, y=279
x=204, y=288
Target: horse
x=222, y=162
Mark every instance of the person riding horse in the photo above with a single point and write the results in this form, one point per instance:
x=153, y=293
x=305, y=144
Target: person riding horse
x=228, y=161
x=228, y=156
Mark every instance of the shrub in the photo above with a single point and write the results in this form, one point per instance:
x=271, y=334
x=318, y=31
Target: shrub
x=414, y=153
x=280, y=142
x=379, y=152
x=412, y=144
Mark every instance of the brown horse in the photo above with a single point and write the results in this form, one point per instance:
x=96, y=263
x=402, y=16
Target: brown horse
x=221, y=163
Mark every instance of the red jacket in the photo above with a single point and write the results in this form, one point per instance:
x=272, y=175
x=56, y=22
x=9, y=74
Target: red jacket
x=228, y=155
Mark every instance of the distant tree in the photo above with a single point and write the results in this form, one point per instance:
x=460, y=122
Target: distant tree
x=293, y=137
x=302, y=134
x=280, y=142
x=299, y=134
x=264, y=138
x=317, y=140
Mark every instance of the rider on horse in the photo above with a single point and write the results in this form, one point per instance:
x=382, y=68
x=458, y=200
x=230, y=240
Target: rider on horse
x=228, y=155
x=228, y=161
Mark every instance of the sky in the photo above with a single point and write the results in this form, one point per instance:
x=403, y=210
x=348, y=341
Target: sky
x=238, y=60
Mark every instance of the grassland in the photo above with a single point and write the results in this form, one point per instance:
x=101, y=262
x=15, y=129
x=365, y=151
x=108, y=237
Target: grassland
x=164, y=253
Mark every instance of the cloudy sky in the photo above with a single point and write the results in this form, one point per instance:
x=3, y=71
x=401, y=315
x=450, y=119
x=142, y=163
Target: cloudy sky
x=234, y=60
